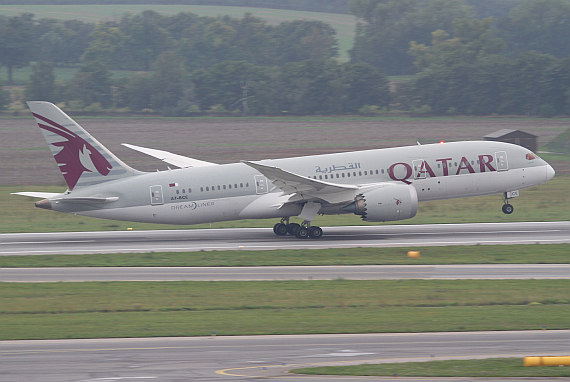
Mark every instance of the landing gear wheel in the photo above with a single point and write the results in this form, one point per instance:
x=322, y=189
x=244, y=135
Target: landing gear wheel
x=315, y=232
x=302, y=233
x=508, y=208
x=280, y=229
x=293, y=228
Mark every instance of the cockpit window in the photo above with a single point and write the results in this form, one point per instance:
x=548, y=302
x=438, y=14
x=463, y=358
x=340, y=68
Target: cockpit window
x=530, y=156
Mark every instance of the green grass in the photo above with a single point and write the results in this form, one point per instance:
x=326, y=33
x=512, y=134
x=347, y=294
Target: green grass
x=548, y=202
x=136, y=309
x=343, y=24
x=494, y=367
x=499, y=254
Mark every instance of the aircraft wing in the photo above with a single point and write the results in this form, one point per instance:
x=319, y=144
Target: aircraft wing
x=170, y=158
x=303, y=188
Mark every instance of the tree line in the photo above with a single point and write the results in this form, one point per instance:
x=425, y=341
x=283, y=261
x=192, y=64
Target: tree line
x=517, y=64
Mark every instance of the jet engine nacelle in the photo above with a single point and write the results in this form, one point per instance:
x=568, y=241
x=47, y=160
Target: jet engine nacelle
x=387, y=202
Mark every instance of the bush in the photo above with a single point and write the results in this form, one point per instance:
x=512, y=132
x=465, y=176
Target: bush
x=546, y=110
x=4, y=99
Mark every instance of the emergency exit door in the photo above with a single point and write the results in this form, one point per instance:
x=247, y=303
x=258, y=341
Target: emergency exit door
x=260, y=184
x=502, y=163
x=156, y=195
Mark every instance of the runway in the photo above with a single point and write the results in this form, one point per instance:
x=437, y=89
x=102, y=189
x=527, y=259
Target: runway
x=263, y=238
x=254, y=357
x=360, y=272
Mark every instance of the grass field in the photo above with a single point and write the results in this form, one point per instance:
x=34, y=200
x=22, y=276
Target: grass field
x=493, y=254
x=548, y=202
x=146, y=309
x=343, y=24
x=497, y=367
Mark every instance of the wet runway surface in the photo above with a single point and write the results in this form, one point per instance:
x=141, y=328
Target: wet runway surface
x=263, y=238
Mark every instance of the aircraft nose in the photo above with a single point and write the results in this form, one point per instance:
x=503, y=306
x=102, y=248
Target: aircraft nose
x=549, y=172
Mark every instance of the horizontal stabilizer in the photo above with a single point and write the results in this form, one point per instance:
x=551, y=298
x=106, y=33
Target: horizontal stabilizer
x=43, y=195
x=170, y=158
x=91, y=199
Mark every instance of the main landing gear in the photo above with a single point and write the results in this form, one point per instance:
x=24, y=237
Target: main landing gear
x=301, y=231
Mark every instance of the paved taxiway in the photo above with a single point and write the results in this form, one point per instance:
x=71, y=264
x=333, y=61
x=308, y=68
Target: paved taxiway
x=252, y=357
x=263, y=238
x=361, y=272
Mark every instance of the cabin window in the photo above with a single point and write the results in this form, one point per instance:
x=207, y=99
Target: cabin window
x=201, y=189
x=241, y=185
x=207, y=188
x=326, y=176
x=177, y=192
x=365, y=172
x=320, y=177
x=338, y=175
x=354, y=173
x=348, y=174
x=247, y=184
x=224, y=187
x=342, y=174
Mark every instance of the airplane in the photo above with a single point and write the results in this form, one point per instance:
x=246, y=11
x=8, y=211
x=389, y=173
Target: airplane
x=379, y=185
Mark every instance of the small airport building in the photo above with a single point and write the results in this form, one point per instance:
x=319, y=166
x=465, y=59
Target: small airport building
x=517, y=137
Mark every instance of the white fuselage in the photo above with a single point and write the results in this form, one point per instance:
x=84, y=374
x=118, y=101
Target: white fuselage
x=238, y=191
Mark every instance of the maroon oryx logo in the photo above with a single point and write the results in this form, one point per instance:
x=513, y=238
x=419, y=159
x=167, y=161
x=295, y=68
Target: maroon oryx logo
x=76, y=155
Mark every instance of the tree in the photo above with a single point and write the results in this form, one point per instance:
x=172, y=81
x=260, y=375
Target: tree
x=388, y=26
x=4, y=98
x=16, y=42
x=143, y=40
x=540, y=25
x=105, y=45
x=62, y=43
x=528, y=85
x=363, y=85
x=232, y=84
x=460, y=73
x=304, y=40
x=172, y=91
x=136, y=94
x=41, y=85
x=310, y=87
x=91, y=84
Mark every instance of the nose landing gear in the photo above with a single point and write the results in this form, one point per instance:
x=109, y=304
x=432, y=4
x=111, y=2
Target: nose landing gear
x=507, y=207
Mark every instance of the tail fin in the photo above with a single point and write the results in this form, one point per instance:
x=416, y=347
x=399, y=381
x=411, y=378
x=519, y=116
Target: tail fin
x=82, y=160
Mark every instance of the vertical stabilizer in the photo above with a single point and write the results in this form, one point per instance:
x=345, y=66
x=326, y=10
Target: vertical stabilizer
x=82, y=160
